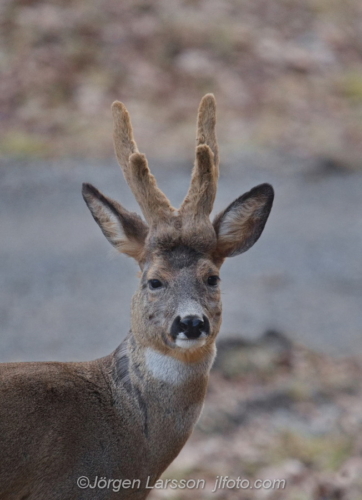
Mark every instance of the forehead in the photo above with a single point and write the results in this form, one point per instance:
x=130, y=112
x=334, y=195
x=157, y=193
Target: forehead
x=181, y=257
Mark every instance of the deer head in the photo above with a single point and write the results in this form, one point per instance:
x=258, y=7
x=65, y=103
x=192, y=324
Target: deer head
x=177, y=308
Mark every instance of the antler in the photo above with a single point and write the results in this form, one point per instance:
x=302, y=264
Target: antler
x=206, y=120
x=154, y=204
x=202, y=191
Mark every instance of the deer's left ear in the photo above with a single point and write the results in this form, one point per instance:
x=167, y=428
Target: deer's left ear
x=239, y=226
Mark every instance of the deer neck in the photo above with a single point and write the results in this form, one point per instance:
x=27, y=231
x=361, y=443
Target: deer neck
x=164, y=394
x=150, y=370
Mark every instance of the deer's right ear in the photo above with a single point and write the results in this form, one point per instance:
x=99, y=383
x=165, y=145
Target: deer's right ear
x=124, y=230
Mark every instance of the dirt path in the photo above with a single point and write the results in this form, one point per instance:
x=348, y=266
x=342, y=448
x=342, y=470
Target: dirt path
x=64, y=295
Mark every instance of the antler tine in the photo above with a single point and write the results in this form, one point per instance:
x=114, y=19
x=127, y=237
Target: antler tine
x=202, y=191
x=154, y=204
x=206, y=120
x=124, y=143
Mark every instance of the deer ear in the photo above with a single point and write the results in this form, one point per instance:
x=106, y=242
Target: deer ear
x=124, y=230
x=239, y=226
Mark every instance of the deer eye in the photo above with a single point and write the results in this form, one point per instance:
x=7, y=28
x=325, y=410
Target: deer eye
x=213, y=280
x=153, y=284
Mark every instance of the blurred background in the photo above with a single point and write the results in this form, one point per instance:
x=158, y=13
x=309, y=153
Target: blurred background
x=287, y=74
x=285, y=394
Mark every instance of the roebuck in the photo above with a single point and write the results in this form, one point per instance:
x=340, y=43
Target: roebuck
x=126, y=416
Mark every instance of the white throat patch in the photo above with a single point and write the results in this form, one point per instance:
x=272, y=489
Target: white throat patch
x=169, y=369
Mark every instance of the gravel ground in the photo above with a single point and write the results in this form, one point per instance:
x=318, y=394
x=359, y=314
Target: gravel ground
x=65, y=295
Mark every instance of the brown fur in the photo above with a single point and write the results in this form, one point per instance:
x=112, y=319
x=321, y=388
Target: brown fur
x=154, y=204
x=201, y=195
x=124, y=143
x=240, y=225
x=127, y=415
x=135, y=230
x=135, y=168
x=206, y=120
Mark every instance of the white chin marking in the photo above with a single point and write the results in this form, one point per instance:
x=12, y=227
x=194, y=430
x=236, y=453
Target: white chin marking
x=189, y=343
x=173, y=371
x=167, y=368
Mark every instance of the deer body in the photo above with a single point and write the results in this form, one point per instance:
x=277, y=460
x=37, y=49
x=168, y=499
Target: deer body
x=126, y=416
x=95, y=423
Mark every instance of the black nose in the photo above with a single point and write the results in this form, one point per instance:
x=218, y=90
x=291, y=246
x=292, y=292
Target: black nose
x=191, y=326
